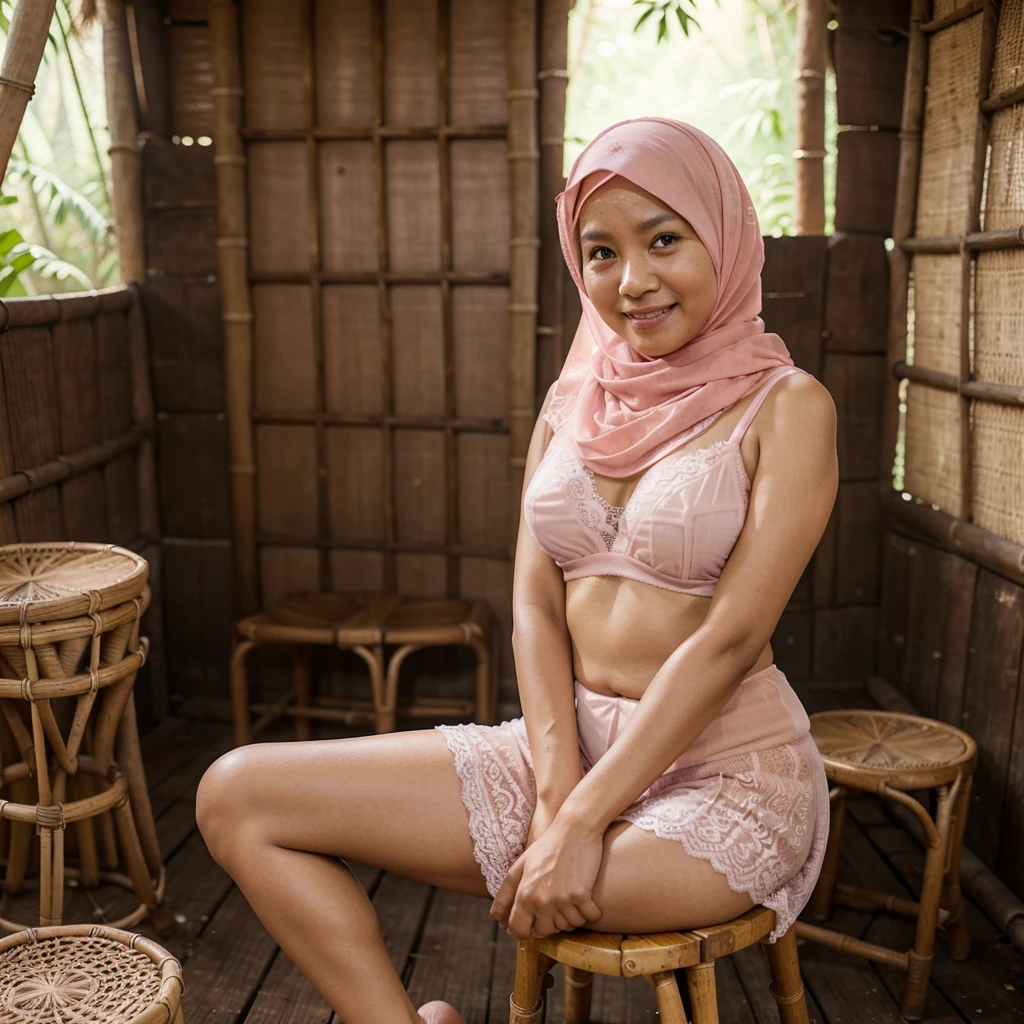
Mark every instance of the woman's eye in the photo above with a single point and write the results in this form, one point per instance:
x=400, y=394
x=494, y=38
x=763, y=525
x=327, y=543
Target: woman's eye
x=671, y=238
x=595, y=254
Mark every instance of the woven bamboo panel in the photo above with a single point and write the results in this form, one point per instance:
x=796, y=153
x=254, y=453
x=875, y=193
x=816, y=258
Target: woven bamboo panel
x=420, y=486
x=997, y=463
x=352, y=370
x=357, y=570
x=944, y=7
x=420, y=575
x=344, y=58
x=480, y=214
x=278, y=208
x=478, y=69
x=417, y=335
x=355, y=483
x=272, y=38
x=491, y=580
x=1008, y=63
x=283, y=327
x=190, y=68
x=933, y=447
x=999, y=317
x=413, y=206
x=1004, y=188
x=410, y=68
x=482, y=458
x=937, y=312
x=950, y=114
x=348, y=220
x=286, y=483
x=283, y=570
x=480, y=350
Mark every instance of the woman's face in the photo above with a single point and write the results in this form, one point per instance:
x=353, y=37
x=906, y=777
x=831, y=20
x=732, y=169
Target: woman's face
x=644, y=268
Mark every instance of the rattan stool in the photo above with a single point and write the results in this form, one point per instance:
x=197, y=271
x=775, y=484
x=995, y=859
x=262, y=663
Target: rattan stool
x=655, y=958
x=891, y=754
x=69, y=653
x=88, y=973
x=363, y=624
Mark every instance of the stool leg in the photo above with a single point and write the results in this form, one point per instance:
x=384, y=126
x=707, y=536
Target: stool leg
x=20, y=841
x=135, y=866
x=525, y=1004
x=240, y=692
x=485, y=704
x=956, y=931
x=88, y=859
x=300, y=680
x=919, y=959
x=129, y=756
x=700, y=983
x=579, y=987
x=820, y=907
x=786, y=987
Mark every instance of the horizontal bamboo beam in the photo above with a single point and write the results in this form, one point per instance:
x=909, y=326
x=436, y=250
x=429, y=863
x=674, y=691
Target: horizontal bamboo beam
x=367, y=134
x=982, y=390
x=377, y=277
x=958, y=537
x=953, y=18
x=979, y=241
x=1002, y=100
x=849, y=944
x=409, y=547
x=303, y=417
x=40, y=310
x=63, y=467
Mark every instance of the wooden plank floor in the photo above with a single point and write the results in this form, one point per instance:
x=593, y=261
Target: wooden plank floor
x=446, y=945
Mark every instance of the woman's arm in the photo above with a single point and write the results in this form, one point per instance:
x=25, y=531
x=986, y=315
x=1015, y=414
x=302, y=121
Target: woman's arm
x=543, y=655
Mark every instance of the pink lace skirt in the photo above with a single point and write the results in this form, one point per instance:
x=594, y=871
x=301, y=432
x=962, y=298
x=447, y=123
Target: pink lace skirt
x=758, y=816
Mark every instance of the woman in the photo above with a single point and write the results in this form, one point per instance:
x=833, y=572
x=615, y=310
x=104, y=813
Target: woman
x=678, y=480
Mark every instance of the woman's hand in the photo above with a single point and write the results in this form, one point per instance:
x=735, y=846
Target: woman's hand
x=543, y=816
x=549, y=888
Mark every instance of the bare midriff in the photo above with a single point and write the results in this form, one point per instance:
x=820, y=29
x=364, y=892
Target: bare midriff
x=622, y=630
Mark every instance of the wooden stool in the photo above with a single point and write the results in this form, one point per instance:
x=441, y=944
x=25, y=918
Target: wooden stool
x=363, y=624
x=656, y=957
x=69, y=651
x=891, y=754
x=88, y=973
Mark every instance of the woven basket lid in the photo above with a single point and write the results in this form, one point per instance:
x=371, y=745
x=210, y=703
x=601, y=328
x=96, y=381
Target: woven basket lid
x=48, y=582
x=85, y=979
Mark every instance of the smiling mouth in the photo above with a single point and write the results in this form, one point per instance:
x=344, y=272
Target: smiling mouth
x=657, y=314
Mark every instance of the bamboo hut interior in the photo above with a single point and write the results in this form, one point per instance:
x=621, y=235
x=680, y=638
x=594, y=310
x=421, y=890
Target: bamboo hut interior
x=339, y=322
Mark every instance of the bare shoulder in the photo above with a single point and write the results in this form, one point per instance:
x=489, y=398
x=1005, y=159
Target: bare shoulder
x=798, y=408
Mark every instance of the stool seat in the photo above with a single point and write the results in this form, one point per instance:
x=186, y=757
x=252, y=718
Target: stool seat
x=88, y=973
x=865, y=748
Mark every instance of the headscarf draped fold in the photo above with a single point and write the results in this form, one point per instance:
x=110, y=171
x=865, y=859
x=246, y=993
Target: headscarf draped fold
x=626, y=410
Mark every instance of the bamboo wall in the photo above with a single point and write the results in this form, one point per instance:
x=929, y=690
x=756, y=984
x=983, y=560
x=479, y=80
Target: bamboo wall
x=952, y=635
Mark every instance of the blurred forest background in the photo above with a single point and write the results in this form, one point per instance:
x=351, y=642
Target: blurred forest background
x=725, y=66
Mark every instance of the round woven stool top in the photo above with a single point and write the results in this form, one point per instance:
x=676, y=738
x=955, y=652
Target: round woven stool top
x=863, y=748
x=86, y=974
x=47, y=582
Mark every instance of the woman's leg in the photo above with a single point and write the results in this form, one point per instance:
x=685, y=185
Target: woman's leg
x=277, y=816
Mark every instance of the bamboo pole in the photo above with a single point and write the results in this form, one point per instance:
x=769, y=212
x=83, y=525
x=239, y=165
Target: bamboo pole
x=125, y=162
x=152, y=82
x=907, y=175
x=232, y=243
x=810, y=152
x=26, y=39
x=524, y=159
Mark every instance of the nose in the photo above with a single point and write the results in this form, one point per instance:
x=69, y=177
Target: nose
x=637, y=279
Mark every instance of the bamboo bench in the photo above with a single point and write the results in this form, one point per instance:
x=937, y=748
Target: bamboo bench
x=365, y=624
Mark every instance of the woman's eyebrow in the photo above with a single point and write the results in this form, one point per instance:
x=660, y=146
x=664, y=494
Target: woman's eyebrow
x=641, y=228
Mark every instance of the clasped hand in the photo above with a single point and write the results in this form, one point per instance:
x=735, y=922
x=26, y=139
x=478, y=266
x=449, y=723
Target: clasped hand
x=549, y=887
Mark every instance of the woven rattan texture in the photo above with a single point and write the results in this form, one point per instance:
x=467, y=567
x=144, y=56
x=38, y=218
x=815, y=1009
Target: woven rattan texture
x=999, y=315
x=1008, y=63
x=944, y=7
x=885, y=742
x=933, y=447
x=997, y=439
x=1004, y=188
x=80, y=980
x=947, y=147
x=937, y=312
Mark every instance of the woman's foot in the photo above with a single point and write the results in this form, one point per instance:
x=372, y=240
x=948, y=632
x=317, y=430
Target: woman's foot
x=437, y=1011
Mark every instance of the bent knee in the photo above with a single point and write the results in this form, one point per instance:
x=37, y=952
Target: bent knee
x=224, y=798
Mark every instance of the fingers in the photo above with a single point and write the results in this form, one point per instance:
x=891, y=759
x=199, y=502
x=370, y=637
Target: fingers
x=560, y=921
x=589, y=909
x=502, y=903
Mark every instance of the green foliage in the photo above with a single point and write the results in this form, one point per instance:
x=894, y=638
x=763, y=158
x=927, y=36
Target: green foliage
x=660, y=13
x=15, y=257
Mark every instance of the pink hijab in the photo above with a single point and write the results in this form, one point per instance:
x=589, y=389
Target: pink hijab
x=626, y=410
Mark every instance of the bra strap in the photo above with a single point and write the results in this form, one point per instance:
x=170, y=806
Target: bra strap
x=741, y=427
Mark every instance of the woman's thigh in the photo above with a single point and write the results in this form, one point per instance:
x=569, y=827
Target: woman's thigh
x=650, y=884
x=392, y=800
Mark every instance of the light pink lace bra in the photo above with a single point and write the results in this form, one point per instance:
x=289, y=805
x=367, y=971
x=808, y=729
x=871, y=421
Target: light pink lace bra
x=677, y=528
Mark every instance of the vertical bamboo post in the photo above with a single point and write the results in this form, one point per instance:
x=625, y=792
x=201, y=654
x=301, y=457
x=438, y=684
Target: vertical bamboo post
x=232, y=245
x=989, y=25
x=553, y=79
x=907, y=176
x=809, y=155
x=26, y=39
x=524, y=159
x=152, y=84
x=125, y=163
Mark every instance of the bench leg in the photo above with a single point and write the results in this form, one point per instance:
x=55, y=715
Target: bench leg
x=700, y=985
x=820, y=907
x=300, y=681
x=579, y=987
x=952, y=899
x=787, y=987
x=525, y=1004
x=240, y=692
